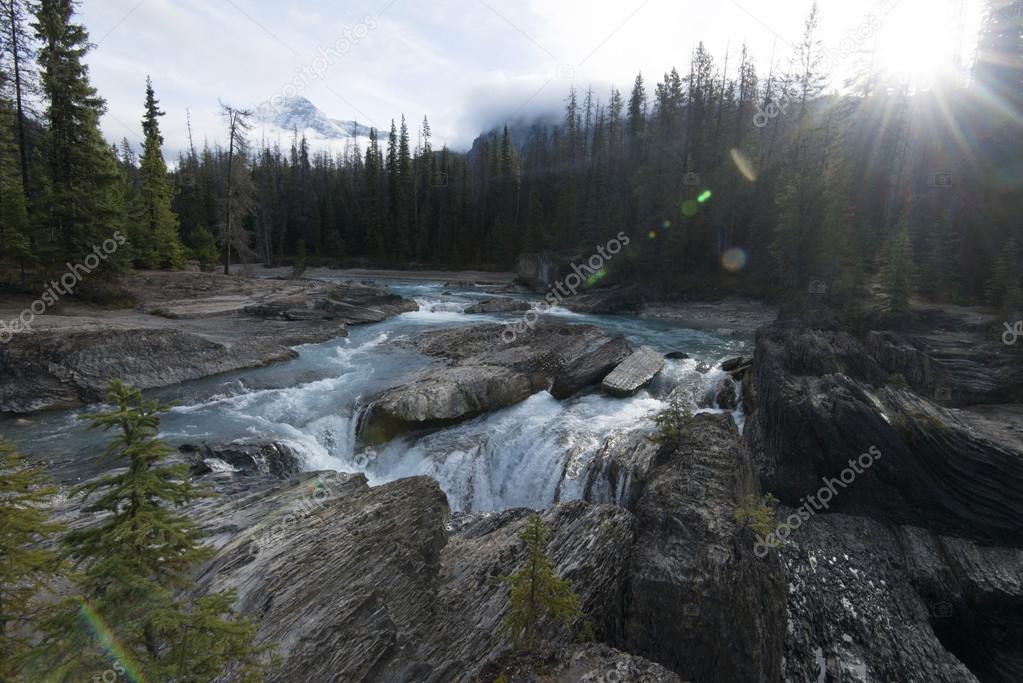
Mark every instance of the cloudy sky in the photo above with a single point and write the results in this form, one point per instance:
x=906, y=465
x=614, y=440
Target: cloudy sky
x=467, y=64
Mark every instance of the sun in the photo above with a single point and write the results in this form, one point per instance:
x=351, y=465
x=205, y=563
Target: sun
x=922, y=42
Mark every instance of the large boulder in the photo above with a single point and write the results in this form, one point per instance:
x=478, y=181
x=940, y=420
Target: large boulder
x=442, y=397
x=634, y=372
x=537, y=271
x=486, y=373
x=590, y=368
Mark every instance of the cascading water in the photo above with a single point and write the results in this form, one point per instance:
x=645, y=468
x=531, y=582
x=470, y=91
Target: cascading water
x=529, y=454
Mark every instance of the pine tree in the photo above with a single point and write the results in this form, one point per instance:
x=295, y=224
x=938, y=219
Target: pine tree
x=137, y=562
x=86, y=204
x=27, y=566
x=161, y=225
x=535, y=591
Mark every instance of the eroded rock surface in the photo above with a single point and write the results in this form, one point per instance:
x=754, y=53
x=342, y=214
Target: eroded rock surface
x=188, y=326
x=488, y=373
x=441, y=397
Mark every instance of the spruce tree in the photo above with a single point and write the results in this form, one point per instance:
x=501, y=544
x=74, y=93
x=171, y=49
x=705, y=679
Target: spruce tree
x=137, y=562
x=160, y=224
x=535, y=591
x=86, y=204
x=27, y=566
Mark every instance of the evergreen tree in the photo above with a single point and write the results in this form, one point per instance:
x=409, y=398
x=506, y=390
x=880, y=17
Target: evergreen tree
x=137, y=562
x=535, y=591
x=86, y=203
x=160, y=226
x=15, y=230
x=27, y=566
x=898, y=273
x=1003, y=289
x=204, y=248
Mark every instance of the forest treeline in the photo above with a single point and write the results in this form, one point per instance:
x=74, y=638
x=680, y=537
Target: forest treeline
x=729, y=175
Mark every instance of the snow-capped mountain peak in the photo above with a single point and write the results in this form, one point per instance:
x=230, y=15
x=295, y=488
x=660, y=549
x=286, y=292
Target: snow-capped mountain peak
x=298, y=113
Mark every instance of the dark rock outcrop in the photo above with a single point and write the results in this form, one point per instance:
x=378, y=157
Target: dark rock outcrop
x=699, y=600
x=913, y=570
x=725, y=396
x=270, y=459
x=900, y=603
x=821, y=401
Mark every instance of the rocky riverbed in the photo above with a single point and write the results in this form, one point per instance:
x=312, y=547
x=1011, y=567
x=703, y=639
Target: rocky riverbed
x=909, y=568
x=185, y=326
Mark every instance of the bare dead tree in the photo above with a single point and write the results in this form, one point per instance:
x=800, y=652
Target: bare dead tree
x=238, y=200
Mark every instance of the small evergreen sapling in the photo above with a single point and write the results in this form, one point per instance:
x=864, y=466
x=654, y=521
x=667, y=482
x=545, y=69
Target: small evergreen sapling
x=536, y=592
x=137, y=565
x=673, y=422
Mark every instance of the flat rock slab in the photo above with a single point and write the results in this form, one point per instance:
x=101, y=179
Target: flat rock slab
x=634, y=372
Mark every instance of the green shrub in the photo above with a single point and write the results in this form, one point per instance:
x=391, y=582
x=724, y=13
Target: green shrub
x=757, y=513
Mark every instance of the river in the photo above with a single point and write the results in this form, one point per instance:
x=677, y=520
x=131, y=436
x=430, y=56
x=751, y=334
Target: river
x=508, y=458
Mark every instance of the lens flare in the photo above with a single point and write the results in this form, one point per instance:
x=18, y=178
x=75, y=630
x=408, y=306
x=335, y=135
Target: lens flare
x=744, y=165
x=734, y=259
x=704, y=196
x=652, y=234
x=666, y=224
x=690, y=208
x=94, y=622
